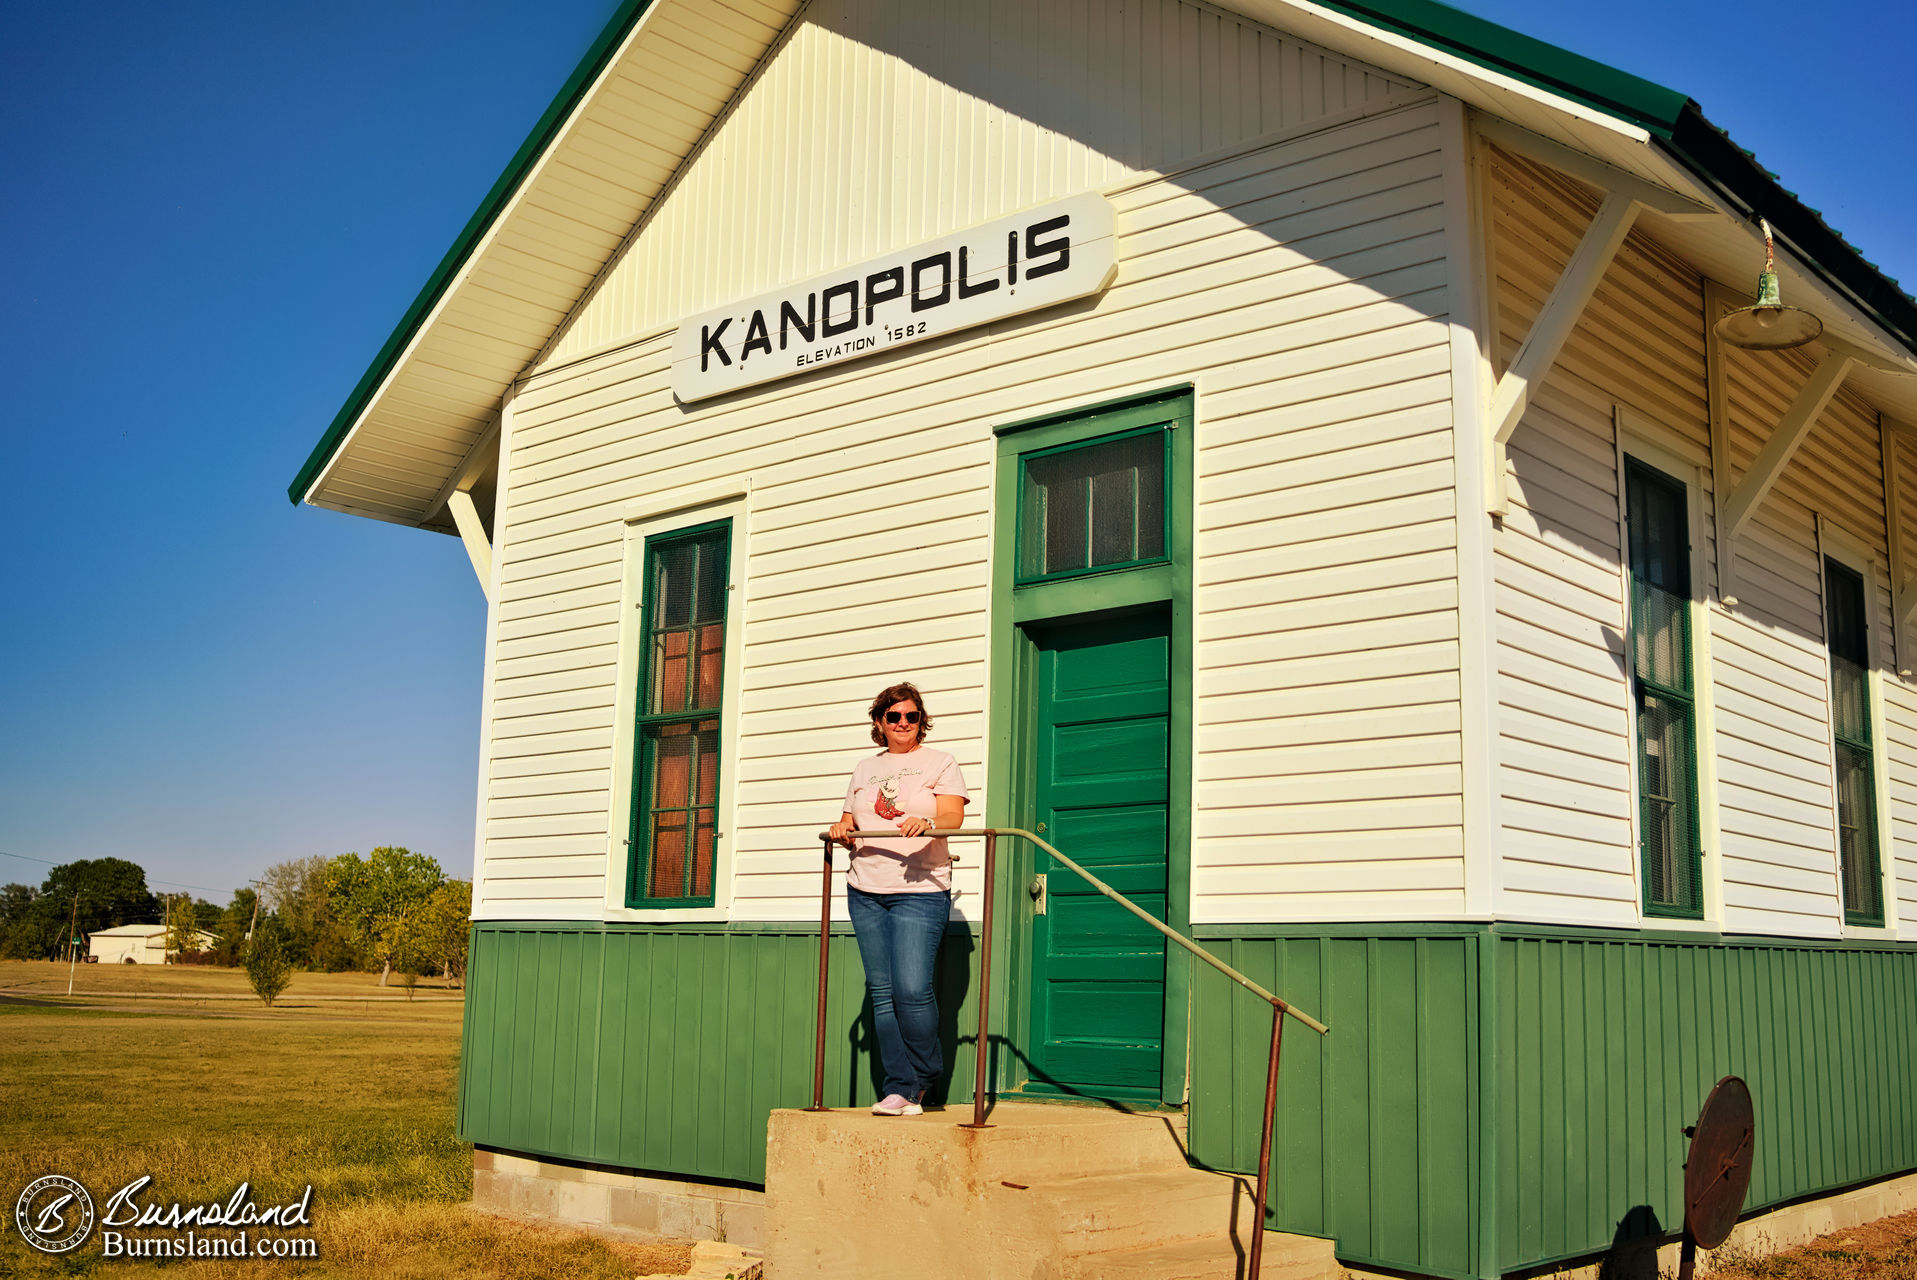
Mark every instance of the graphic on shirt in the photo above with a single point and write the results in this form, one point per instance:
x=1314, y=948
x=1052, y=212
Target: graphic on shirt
x=886, y=806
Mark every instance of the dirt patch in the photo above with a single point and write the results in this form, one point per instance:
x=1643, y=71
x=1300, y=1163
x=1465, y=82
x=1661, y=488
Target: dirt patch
x=1882, y=1250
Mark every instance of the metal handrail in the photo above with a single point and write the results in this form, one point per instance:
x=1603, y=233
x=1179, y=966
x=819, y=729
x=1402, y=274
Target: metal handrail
x=1280, y=1008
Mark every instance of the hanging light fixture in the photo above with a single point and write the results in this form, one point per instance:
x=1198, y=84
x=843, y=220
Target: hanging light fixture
x=1767, y=324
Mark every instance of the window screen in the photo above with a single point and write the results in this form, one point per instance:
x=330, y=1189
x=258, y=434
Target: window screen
x=676, y=781
x=1657, y=519
x=1846, y=622
x=1094, y=506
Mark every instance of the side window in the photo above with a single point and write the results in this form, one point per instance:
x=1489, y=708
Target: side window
x=1664, y=699
x=1847, y=626
x=681, y=686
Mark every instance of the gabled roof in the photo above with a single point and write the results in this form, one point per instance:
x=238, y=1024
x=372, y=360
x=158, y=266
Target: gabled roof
x=661, y=73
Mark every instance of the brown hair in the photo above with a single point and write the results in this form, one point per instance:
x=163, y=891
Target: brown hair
x=903, y=692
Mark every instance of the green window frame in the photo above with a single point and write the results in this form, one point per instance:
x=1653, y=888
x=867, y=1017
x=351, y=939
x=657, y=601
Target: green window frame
x=1853, y=750
x=672, y=834
x=1662, y=672
x=1031, y=502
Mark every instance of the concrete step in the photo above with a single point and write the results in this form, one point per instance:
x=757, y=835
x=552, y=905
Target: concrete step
x=1045, y=1188
x=1031, y=1141
x=1130, y=1210
x=1026, y=1142
x=1287, y=1257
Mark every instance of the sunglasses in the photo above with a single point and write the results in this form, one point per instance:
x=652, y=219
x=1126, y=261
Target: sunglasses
x=909, y=717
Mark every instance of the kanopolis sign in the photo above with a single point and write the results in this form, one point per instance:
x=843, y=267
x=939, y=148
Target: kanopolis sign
x=1044, y=256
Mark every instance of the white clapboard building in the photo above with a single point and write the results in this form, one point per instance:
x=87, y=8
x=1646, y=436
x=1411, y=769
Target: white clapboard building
x=1287, y=442
x=137, y=944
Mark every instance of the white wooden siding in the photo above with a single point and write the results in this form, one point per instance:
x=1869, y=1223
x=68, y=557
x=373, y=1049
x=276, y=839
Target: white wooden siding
x=1900, y=720
x=1566, y=788
x=1301, y=287
x=879, y=124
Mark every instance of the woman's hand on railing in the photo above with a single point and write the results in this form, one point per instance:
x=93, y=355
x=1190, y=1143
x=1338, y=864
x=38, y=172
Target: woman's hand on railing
x=915, y=826
x=841, y=831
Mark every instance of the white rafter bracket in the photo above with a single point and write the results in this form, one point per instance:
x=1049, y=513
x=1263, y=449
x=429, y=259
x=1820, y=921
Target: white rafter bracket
x=1592, y=171
x=1553, y=327
x=472, y=532
x=1791, y=431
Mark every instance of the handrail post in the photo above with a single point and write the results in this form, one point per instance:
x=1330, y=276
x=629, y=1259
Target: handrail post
x=983, y=1052
x=825, y=960
x=1264, y=1141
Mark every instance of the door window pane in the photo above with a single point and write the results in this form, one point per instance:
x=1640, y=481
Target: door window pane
x=1096, y=506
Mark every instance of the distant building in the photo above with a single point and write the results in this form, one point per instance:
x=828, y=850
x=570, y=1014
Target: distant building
x=136, y=944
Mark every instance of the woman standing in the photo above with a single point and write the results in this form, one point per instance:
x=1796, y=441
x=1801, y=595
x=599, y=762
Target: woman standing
x=899, y=890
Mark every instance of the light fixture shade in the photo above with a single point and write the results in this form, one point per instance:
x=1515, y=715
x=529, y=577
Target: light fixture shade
x=1767, y=324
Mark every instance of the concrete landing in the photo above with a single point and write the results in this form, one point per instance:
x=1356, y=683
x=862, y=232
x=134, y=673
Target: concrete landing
x=1059, y=1192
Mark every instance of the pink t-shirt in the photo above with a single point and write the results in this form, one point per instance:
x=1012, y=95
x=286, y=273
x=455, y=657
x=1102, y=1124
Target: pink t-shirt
x=886, y=789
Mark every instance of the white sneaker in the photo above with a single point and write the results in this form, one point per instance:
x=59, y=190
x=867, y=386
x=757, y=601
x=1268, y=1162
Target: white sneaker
x=895, y=1104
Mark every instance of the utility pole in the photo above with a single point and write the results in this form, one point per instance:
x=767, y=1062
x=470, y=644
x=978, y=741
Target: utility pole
x=73, y=942
x=252, y=924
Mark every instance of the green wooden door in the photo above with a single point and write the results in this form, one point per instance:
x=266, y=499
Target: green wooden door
x=1101, y=787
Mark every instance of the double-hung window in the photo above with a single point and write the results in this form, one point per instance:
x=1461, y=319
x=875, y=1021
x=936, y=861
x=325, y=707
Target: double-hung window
x=1664, y=697
x=675, y=800
x=1846, y=622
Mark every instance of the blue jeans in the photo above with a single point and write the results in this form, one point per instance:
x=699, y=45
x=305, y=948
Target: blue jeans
x=899, y=936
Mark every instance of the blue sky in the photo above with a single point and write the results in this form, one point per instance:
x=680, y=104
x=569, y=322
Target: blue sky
x=215, y=213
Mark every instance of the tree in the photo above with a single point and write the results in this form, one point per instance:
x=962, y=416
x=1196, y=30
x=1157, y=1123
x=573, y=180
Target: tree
x=231, y=927
x=445, y=926
x=267, y=967
x=377, y=898
x=296, y=892
x=110, y=891
x=434, y=935
x=182, y=925
x=16, y=903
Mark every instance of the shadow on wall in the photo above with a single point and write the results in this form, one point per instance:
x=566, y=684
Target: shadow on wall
x=1633, y=1254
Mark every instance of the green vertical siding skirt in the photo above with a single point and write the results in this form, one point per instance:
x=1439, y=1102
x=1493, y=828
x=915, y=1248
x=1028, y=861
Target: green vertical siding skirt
x=1605, y=1047
x=663, y=1048
x=666, y=1048
x=1376, y=1136
x=1608, y=1048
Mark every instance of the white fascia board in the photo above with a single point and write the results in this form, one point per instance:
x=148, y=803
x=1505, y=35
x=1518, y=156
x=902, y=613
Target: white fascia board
x=513, y=205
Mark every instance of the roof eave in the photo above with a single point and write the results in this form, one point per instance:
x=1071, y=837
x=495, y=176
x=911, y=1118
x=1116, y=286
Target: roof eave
x=1735, y=175
x=524, y=160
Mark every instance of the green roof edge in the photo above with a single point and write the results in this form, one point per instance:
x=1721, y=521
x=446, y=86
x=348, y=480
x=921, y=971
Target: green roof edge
x=1604, y=88
x=561, y=108
x=1673, y=120
x=1677, y=124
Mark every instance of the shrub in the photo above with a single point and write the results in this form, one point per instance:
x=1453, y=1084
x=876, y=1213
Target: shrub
x=267, y=965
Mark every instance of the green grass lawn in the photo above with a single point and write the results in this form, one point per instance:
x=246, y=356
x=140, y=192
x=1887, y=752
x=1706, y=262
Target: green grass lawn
x=159, y=1071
